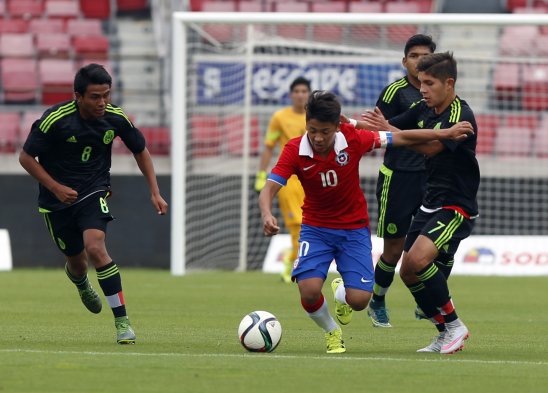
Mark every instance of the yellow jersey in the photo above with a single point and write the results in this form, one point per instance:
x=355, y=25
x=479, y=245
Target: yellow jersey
x=284, y=125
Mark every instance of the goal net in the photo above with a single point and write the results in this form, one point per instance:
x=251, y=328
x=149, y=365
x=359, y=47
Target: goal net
x=231, y=71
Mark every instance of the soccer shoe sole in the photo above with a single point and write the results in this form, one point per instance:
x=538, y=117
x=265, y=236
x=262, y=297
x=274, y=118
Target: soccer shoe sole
x=126, y=341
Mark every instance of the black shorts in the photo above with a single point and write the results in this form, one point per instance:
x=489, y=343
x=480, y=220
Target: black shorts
x=67, y=226
x=399, y=195
x=446, y=228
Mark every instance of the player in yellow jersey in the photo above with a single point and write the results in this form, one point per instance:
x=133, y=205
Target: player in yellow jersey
x=285, y=124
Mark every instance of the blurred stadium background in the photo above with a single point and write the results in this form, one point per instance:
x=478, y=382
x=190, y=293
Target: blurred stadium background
x=503, y=74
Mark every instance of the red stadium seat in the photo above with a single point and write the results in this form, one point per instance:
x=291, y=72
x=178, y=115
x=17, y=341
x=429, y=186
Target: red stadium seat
x=87, y=27
x=28, y=118
x=487, y=130
x=62, y=9
x=16, y=45
x=400, y=34
x=365, y=33
x=205, y=135
x=96, y=47
x=252, y=6
x=2, y=8
x=535, y=87
x=540, y=45
x=540, y=145
x=132, y=5
x=57, y=77
x=158, y=139
x=195, y=5
x=234, y=135
x=511, y=5
x=9, y=131
x=514, y=141
x=39, y=26
x=19, y=80
x=219, y=32
x=26, y=9
x=507, y=84
x=297, y=31
x=88, y=60
x=13, y=26
x=328, y=33
x=99, y=9
x=425, y=6
x=53, y=45
x=520, y=120
x=517, y=40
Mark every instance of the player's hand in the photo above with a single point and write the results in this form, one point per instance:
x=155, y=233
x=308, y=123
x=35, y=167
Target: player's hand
x=460, y=131
x=260, y=180
x=65, y=194
x=270, y=226
x=159, y=204
x=374, y=120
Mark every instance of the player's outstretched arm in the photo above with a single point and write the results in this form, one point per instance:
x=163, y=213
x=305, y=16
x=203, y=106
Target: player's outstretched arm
x=457, y=132
x=270, y=224
x=63, y=193
x=144, y=161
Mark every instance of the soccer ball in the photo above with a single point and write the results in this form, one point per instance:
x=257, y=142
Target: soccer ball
x=260, y=331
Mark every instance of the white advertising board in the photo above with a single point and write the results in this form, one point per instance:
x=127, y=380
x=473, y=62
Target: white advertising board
x=5, y=251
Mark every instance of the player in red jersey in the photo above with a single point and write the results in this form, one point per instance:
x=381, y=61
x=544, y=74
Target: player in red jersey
x=335, y=221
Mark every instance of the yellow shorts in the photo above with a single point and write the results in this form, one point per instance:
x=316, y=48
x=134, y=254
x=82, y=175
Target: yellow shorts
x=290, y=200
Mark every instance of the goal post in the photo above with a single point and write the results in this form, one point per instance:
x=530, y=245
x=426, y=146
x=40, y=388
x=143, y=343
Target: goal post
x=231, y=71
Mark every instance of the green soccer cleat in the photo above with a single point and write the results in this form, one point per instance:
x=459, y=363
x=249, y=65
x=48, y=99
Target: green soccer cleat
x=91, y=299
x=379, y=314
x=334, y=341
x=124, y=331
x=343, y=312
x=288, y=268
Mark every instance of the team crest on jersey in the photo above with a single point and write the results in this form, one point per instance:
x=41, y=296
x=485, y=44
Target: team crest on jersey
x=342, y=158
x=108, y=137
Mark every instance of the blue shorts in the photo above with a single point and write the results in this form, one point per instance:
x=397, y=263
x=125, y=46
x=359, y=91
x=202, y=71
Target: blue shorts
x=350, y=248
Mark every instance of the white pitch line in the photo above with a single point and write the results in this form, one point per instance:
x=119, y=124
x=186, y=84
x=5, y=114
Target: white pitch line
x=444, y=359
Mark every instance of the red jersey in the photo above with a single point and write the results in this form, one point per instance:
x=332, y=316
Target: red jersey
x=333, y=197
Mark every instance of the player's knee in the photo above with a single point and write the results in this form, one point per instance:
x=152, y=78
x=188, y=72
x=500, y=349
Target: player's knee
x=96, y=251
x=407, y=273
x=310, y=298
x=358, y=300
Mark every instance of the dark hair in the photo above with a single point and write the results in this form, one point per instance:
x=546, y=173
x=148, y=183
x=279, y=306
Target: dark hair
x=440, y=65
x=299, y=81
x=91, y=74
x=323, y=106
x=419, y=40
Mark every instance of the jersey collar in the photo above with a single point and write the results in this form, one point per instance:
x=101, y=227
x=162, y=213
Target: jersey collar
x=305, y=149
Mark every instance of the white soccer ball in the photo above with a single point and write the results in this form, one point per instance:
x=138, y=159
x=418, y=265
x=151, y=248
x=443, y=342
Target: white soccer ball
x=260, y=331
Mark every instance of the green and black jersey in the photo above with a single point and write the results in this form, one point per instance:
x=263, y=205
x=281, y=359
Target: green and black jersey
x=77, y=152
x=453, y=175
x=396, y=98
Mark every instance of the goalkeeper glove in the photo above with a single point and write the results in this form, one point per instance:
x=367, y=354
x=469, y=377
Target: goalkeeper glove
x=260, y=180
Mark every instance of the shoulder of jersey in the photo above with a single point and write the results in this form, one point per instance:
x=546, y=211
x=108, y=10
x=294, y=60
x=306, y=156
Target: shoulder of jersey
x=56, y=113
x=117, y=113
x=393, y=88
x=457, y=107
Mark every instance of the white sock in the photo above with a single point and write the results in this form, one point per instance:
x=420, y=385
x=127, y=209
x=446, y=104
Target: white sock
x=340, y=294
x=323, y=318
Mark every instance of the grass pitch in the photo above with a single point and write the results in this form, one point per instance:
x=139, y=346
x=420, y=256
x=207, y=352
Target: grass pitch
x=187, y=338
